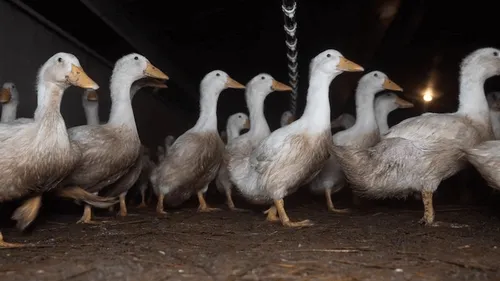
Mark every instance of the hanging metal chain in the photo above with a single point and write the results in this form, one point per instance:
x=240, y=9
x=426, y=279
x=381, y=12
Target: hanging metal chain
x=289, y=7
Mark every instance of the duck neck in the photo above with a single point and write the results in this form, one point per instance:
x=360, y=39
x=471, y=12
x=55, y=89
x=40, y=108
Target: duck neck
x=232, y=132
x=365, y=112
x=208, y=110
x=91, y=113
x=49, y=99
x=317, y=111
x=255, y=102
x=9, y=111
x=121, y=104
x=381, y=113
x=472, y=100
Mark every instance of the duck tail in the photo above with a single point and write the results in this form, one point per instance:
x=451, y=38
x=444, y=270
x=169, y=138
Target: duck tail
x=80, y=194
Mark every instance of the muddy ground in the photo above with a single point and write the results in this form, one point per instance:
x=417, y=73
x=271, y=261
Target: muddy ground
x=381, y=242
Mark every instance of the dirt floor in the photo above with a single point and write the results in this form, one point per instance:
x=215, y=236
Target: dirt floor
x=381, y=243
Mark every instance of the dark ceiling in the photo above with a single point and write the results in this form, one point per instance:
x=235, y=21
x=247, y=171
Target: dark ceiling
x=424, y=41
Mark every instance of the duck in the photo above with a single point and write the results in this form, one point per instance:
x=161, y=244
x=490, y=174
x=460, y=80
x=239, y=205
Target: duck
x=111, y=150
x=286, y=118
x=420, y=152
x=293, y=155
x=238, y=151
x=364, y=133
x=9, y=97
x=121, y=187
x=235, y=123
x=385, y=104
x=492, y=99
x=193, y=160
x=37, y=155
x=484, y=156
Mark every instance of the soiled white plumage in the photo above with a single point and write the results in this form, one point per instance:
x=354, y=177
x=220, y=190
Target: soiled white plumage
x=194, y=158
x=37, y=154
x=418, y=153
x=294, y=154
x=238, y=152
x=235, y=123
x=364, y=133
x=111, y=149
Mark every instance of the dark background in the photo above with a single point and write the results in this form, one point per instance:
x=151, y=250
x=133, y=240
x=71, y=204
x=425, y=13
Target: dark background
x=421, y=44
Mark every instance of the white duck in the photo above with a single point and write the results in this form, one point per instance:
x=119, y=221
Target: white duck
x=194, y=158
x=110, y=150
x=239, y=150
x=235, y=123
x=292, y=155
x=493, y=99
x=420, y=152
x=385, y=104
x=37, y=155
x=364, y=133
x=121, y=187
x=9, y=97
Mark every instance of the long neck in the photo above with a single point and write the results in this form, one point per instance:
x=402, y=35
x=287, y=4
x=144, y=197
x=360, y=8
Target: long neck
x=317, y=112
x=255, y=102
x=9, y=112
x=232, y=132
x=91, y=113
x=381, y=113
x=365, y=113
x=208, y=111
x=121, y=104
x=472, y=100
x=50, y=96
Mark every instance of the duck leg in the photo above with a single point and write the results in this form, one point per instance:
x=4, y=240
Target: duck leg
x=428, y=218
x=203, y=204
x=6, y=245
x=230, y=202
x=123, y=205
x=87, y=216
x=159, y=204
x=280, y=206
x=272, y=214
x=27, y=212
x=329, y=203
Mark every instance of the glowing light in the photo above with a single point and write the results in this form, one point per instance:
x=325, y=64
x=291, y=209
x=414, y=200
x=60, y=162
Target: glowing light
x=428, y=95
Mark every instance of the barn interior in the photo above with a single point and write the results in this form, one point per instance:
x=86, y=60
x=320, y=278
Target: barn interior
x=419, y=44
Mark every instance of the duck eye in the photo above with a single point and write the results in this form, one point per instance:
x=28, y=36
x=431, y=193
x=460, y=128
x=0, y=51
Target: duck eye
x=376, y=75
x=218, y=74
x=262, y=77
x=328, y=55
x=495, y=54
x=239, y=116
x=136, y=58
x=59, y=59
